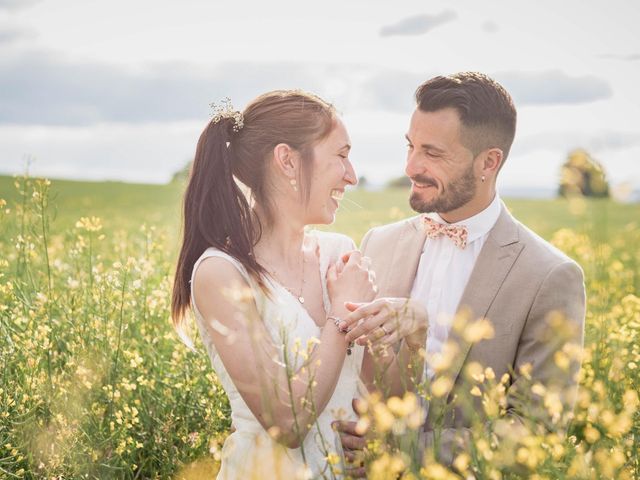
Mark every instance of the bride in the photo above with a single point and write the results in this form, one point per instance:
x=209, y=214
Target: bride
x=267, y=294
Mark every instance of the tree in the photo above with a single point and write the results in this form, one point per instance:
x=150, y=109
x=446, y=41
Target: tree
x=183, y=174
x=400, y=182
x=581, y=174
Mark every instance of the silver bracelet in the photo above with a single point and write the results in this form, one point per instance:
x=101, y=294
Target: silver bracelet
x=336, y=321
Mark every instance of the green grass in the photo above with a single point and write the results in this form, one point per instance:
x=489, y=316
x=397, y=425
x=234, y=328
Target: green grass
x=129, y=205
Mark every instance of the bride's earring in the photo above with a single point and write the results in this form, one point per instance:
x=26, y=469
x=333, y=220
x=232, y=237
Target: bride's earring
x=483, y=178
x=294, y=184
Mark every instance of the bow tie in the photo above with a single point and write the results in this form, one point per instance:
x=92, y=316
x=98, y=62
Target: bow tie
x=457, y=233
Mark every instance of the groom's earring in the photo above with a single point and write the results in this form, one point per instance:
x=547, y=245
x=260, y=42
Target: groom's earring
x=294, y=184
x=483, y=178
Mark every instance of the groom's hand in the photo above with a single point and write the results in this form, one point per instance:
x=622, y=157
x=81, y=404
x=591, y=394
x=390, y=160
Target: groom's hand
x=353, y=445
x=386, y=321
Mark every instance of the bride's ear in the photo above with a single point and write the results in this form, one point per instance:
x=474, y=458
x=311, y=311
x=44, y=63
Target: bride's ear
x=285, y=161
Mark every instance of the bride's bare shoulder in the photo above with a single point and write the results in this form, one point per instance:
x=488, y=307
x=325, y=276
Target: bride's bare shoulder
x=333, y=241
x=214, y=275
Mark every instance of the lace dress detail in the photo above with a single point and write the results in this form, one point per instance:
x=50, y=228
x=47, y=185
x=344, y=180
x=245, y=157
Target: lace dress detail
x=250, y=452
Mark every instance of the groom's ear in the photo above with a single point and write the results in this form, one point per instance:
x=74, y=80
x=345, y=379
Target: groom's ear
x=492, y=161
x=285, y=160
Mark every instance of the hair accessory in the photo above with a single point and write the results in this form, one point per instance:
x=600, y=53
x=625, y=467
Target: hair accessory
x=294, y=184
x=225, y=110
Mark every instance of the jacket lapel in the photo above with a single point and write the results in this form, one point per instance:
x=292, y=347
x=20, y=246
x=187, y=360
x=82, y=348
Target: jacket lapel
x=404, y=260
x=498, y=254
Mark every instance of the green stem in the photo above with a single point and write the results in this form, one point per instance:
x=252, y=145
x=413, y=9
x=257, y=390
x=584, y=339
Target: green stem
x=43, y=216
x=114, y=370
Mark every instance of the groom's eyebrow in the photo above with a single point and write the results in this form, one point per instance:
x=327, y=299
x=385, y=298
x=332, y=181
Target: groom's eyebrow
x=426, y=146
x=346, y=146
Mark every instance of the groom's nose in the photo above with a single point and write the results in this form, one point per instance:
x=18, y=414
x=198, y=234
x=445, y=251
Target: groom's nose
x=413, y=166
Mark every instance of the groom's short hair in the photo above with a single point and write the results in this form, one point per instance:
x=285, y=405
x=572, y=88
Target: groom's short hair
x=485, y=108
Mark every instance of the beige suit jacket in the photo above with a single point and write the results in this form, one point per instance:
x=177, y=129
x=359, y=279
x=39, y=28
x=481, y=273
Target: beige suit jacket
x=517, y=281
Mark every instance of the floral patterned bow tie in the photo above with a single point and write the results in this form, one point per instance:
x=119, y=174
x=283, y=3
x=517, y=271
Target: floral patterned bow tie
x=457, y=233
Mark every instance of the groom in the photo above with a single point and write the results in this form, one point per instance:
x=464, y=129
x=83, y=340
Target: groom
x=466, y=253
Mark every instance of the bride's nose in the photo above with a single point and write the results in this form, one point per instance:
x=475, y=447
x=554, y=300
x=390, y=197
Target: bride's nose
x=350, y=174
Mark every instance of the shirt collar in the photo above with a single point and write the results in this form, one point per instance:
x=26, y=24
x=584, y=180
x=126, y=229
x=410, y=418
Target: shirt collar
x=479, y=224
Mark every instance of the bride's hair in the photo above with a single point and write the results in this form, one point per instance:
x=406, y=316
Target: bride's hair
x=216, y=211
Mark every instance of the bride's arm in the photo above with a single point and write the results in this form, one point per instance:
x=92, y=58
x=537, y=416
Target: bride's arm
x=277, y=395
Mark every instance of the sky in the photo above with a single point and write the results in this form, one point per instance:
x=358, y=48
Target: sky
x=120, y=90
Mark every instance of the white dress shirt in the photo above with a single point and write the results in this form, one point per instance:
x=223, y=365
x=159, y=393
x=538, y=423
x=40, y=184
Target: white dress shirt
x=443, y=273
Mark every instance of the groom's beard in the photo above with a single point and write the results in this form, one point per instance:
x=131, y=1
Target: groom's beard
x=456, y=194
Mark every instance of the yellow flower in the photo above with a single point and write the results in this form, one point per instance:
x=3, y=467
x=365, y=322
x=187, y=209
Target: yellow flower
x=525, y=370
x=383, y=417
x=489, y=373
x=475, y=371
x=461, y=463
x=436, y=471
x=538, y=389
x=90, y=224
x=386, y=466
x=591, y=434
x=562, y=360
x=630, y=400
x=441, y=386
x=403, y=407
x=362, y=426
x=553, y=404
x=481, y=329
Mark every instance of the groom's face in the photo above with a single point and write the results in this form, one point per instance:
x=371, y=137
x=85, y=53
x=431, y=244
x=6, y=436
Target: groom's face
x=439, y=165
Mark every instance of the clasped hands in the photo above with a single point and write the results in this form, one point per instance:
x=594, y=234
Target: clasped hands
x=383, y=322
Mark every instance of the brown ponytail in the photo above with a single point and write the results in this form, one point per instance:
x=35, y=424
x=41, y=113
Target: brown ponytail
x=216, y=211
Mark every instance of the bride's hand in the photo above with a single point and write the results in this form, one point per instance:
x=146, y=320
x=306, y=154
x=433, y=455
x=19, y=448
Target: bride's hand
x=386, y=321
x=352, y=280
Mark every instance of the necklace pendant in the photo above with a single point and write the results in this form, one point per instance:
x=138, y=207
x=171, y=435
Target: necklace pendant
x=301, y=299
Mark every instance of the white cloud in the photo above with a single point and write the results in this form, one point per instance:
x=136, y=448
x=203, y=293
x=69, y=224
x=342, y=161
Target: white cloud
x=46, y=89
x=10, y=34
x=599, y=141
x=16, y=4
x=393, y=90
x=40, y=88
x=418, y=24
x=630, y=57
x=143, y=153
x=553, y=87
x=490, y=26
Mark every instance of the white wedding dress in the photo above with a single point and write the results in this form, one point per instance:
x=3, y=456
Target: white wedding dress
x=249, y=452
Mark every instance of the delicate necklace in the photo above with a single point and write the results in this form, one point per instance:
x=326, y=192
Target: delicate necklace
x=299, y=296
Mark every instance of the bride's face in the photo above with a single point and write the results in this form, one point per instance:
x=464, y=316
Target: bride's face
x=332, y=172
